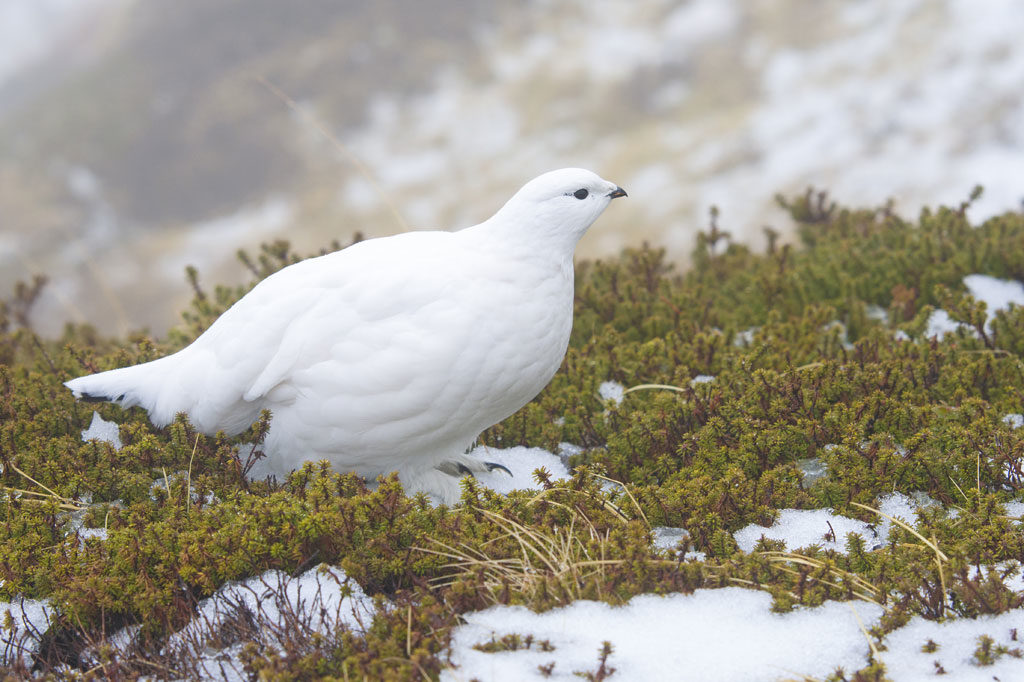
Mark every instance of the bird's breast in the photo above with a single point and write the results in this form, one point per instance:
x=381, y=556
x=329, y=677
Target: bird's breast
x=522, y=338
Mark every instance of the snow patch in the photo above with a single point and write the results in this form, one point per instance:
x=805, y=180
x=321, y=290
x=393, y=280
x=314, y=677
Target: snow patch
x=813, y=469
x=103, y=431
x=611, y=390
x=745, y=337
x=29, y=31
x=940, y=324
x=204, y=242
x=30, y=619
x=799, y=528
x=723, y=635
x=666, y=538
x=804, y=527
x=1014, y=420
x=321, y=600
x=956, y=641
x=998, y=294
x=1014, y=509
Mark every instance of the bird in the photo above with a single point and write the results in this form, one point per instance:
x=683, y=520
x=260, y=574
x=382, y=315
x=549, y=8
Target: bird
x=392, y=354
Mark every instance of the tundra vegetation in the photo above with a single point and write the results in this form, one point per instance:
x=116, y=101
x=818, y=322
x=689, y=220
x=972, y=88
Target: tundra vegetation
x=817, y=349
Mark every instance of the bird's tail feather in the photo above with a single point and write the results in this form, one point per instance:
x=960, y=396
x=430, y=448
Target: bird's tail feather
x=129, y=386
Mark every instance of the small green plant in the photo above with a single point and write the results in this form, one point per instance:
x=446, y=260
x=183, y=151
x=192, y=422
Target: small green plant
x=603, y=670
x=988, y=652
x=514, y=642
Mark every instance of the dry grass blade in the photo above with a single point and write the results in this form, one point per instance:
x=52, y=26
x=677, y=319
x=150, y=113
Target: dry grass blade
x=628, y=494
x=62, y=502
x=932, y=544
x=653, y=387
x=557, y=557
x=408, y=632
x=761, y=586
x=864, y=631
x=961, y=490
x=330, y=137
x=859, y=587
x=607, y=504
x=188, y=476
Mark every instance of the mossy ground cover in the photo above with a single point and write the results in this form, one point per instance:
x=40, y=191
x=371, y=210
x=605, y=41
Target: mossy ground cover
x=817, y=351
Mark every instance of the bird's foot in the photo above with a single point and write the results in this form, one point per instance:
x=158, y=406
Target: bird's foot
x=467, y=466
x=491, y=466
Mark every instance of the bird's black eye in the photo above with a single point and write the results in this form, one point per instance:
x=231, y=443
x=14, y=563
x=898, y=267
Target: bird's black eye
x=581, y=194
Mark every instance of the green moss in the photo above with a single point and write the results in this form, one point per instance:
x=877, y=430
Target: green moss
x=988, y=652
x=804, y=366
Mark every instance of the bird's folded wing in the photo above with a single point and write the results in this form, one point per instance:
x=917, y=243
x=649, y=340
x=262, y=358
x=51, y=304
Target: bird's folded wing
x=288, y=354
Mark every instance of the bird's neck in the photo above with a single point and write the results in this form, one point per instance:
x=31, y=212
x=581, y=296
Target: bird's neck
x=536, y=238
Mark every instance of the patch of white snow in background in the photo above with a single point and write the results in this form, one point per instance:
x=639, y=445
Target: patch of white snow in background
x=86, y=533
x=1013, y=580
x=723, y=635
x=76, y=523
x=611, y=390
x=998, y=294
x=31, y=30
x=1014, y=420
x=1014, y=509
x=321, y=600
x=31, y=618
x=204, y=242
x=521, y=461
x=567, y=450
x=940, y=324
x=745, y=337
x=876, y=312
x=701, y=379
x=957, y=640
x=813, y=469
x=700, y=21
x=103, y=431
x=668, y=538
x=802, y=527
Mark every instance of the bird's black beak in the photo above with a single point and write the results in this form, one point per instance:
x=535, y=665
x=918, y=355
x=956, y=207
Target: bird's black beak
x=616, y=193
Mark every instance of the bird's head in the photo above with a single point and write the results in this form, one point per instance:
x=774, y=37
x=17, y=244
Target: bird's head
x=560, y=204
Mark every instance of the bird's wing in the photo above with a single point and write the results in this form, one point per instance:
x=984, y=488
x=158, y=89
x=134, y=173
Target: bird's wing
x=289, y=352
x=294, y=317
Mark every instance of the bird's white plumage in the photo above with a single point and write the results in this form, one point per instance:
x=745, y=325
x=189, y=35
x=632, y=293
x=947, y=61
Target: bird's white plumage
x=392, y=354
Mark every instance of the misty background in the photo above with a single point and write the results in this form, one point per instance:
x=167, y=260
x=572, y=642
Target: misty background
x=139, y=137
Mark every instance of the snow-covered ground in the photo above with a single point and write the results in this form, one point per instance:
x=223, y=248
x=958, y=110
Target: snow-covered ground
x=321, y=600
x=800, y=528
x=723, y=635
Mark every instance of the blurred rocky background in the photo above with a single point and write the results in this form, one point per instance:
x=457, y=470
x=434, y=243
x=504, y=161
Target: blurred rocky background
x=138, y=137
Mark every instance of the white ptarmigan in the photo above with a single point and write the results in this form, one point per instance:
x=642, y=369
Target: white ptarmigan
x=392, y=354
